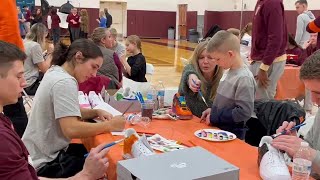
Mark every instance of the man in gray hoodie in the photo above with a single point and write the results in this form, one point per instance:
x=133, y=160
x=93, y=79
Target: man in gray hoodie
x=303, y=20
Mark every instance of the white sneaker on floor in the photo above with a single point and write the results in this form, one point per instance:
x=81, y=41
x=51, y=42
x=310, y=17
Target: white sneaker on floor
x=83, y=100
x=271, y=161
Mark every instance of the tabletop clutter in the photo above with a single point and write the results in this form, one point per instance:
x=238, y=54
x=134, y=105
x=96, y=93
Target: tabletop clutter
x=171, y=156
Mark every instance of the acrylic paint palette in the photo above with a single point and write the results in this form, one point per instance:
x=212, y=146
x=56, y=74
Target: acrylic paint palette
x=215, y=135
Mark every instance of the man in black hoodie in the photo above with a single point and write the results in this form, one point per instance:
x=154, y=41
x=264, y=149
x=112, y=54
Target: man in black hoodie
x=109, y=18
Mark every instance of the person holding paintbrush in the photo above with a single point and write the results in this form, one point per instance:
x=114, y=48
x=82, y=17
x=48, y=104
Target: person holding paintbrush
x=200, y=80
x=290, y=142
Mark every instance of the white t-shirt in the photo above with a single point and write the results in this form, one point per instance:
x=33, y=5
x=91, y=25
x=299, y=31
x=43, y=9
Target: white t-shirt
x=57, y=97
x=245, y=47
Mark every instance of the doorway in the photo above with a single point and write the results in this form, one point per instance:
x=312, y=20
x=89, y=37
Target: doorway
x=182, y=22
x=118, y=11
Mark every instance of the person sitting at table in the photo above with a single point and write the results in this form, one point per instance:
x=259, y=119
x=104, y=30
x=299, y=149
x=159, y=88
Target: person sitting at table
x=314, y=27
x=35, y=65
x=135, y=67
x=294, y=49
x=290, y=143
x=56, y=116
x=233, y=105
x=14, y=160
x=102, y=38
x=310, y=46
x=201, y=74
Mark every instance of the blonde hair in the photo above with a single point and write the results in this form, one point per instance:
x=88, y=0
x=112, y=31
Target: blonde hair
x=218, y=72
x=134, y=39
x=224, y=41
x=37, y=34
x=101, y=14
x=113, y=32
x=98, y=33
x=246, y=29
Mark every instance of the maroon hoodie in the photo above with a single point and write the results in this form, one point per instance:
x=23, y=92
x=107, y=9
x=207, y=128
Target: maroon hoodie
x=314, y=27
x=76, y=18
x=269, y=33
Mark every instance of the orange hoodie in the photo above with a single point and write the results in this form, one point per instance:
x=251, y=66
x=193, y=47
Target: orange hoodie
x=9, y=25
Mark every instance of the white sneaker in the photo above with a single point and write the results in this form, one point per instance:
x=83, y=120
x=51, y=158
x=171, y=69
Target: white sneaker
x=94, y=99
x=271, y=162
x=83, y=100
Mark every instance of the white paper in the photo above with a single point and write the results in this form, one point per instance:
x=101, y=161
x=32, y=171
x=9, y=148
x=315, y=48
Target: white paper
x=108, y=108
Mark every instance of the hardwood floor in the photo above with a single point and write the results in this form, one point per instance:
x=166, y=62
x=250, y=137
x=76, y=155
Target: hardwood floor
x=165, y=56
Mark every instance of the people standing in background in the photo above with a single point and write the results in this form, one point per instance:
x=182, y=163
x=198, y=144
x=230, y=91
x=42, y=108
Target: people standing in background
x=74, y=23
x=21, y=20
x=27, y=16
x=303, y=19
x=135, y=67
x=314, y=27
x=37, y=17
x=269, y=42
x=109, y=18
x=102, y=20
x=55, y=27
x=119, y=48
x=246, y=42
x=84, y=23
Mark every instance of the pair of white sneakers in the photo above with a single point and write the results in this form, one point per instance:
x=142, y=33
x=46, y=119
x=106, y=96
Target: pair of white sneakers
x=271, y=161
x=90, y=101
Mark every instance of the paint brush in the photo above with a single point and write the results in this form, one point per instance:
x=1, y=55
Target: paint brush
x=108, y=145
x=285, y=131
x=201, y=95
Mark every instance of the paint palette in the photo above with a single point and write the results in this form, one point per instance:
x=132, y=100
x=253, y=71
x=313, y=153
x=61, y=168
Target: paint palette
x=215, y=135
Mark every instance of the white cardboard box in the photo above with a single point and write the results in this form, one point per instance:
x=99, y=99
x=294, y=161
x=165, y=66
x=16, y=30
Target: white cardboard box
x=185, y=164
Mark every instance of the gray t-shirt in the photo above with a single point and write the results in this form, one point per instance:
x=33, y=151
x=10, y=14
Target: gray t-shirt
x=34, y=56
x=313, y=138
x=119, y=49
x=57, y=97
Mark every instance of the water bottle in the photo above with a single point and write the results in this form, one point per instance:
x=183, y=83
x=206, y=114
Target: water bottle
x=302, y=162
x=134, y=119
x=152, y=97
x=161, y=91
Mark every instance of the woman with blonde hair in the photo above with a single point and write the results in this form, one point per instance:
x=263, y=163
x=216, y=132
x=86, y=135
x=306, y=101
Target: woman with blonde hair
x=202, y=74
x=84, y=23
x=102, y=20
x=36, y=65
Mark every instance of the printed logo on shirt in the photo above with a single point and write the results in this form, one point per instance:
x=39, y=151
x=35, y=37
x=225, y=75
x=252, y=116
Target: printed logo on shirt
x=244, y=42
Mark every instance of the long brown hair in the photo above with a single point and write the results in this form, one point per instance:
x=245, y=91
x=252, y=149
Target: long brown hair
x=246, y=29
x=218, y=72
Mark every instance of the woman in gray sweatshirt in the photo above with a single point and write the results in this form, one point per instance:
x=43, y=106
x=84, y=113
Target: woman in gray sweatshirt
x=201, y=74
